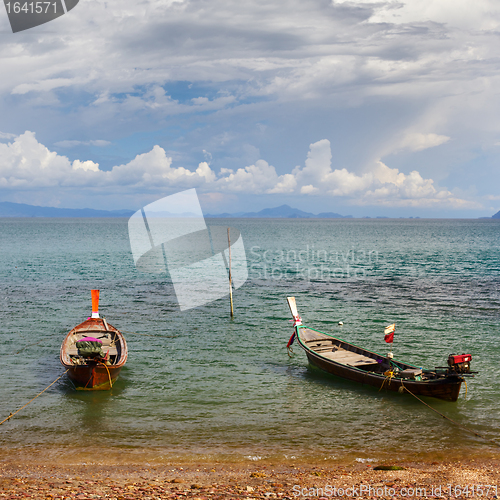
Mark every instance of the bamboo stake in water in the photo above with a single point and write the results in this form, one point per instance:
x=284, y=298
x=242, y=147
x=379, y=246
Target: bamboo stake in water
x=230, y=279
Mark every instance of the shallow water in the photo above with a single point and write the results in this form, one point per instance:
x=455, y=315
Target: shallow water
x=199, y=386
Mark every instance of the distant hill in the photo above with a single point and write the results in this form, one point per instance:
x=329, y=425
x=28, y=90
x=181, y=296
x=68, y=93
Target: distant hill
x=496, y=216
x=282, y=212
x=8, y=209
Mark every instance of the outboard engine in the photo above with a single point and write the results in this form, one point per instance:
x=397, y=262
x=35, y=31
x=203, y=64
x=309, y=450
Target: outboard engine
x=459, y=363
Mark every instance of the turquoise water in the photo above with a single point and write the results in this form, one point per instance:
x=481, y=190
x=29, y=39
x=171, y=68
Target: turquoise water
x=199, y=386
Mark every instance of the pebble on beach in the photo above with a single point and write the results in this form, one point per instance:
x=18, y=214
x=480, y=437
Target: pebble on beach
x=120, y=482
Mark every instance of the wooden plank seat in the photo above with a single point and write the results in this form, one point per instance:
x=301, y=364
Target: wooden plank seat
x=349, y=358
x=315, y=342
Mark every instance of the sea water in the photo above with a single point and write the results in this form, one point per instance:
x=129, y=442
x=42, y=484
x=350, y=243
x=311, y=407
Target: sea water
x=201, y=386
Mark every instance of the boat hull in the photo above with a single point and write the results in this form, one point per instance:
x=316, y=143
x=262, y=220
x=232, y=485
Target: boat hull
x=94, y=374
x=93, y=378
x=446, y=388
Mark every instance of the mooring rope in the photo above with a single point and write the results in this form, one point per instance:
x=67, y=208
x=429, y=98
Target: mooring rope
x=109, y=375
x=151, y=335
x=12, y=414
x=448, y=418
x=387, y=378
x=22, y=349
x=29, y=345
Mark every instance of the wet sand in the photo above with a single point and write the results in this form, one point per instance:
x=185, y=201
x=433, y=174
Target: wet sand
x=465, y=479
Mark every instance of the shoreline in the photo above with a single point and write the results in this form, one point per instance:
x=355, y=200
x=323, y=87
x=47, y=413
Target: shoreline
x=99, y=455
x=473, y=478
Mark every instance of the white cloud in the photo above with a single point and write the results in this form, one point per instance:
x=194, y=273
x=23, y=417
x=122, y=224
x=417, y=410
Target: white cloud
x=86, y=165
x=258, y=178
x=128, y=54
x=154, y=171
x=309, y=189
x=419, y=141
x=457, y=13
x=25, y=164
x=42, y=86
x=284, y=184
x=379, y=185
x=200, y=69
x=317, y=164
x=4, y=135
x=72, y=144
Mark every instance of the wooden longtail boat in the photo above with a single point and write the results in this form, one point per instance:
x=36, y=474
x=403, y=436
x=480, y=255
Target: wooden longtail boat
x=354, y=363
x=97, y=371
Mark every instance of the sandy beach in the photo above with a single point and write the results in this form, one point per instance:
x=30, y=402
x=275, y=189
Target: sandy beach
x=465, y=479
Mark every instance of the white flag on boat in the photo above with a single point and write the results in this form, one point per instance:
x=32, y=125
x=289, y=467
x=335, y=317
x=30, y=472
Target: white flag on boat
x=390, y=329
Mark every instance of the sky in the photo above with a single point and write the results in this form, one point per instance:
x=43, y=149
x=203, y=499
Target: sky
x=364, y=108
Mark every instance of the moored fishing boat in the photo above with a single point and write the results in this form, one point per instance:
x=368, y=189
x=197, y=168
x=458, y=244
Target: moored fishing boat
x=351, y=362
x=94, y=352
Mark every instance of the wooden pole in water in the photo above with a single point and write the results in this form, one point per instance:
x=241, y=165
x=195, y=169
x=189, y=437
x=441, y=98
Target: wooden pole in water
x=230, y=279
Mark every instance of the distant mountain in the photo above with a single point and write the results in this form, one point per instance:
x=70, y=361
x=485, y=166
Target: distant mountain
x=331, y=215
x=8, y=209
x=282, y=212
x=496, y=216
